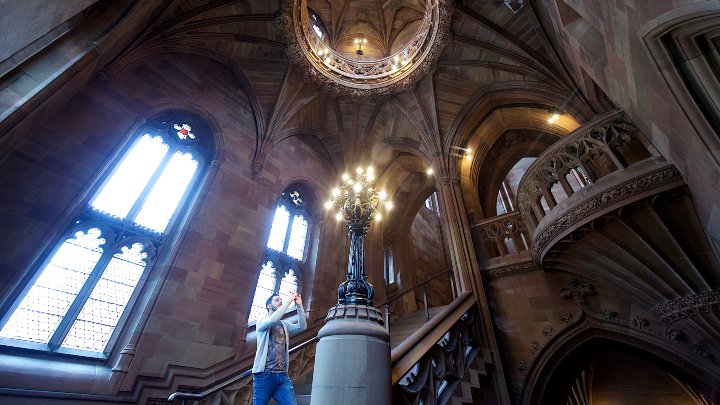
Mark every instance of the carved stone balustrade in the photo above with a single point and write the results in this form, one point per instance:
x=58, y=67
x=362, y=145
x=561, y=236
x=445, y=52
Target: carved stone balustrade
x=607, y=144
x=430, y=364
x=503, y=235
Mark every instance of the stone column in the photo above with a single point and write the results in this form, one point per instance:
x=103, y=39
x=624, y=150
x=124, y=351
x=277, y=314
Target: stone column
x=352, y=358
x=467, y=271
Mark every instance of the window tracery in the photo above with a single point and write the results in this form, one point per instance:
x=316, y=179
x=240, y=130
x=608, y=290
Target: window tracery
x=285, y=252
x=81, y=294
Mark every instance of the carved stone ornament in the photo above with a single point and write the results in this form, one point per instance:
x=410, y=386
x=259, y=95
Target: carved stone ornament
x=511, y=270
x=373, y=78
x=641, y=184
x=689, y=305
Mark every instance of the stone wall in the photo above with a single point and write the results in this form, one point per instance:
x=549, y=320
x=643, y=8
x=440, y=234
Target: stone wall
x=193, y=308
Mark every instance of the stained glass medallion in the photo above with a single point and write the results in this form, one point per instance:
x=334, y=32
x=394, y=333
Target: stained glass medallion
x=183, y=131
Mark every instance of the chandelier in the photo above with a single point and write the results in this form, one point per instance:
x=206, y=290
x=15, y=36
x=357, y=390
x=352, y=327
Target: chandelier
x=358, y=203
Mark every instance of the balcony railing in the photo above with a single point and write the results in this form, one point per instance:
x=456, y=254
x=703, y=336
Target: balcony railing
x=503, y=235
x=608, y=144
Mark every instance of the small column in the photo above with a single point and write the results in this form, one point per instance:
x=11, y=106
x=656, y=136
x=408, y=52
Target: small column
x=352, y=358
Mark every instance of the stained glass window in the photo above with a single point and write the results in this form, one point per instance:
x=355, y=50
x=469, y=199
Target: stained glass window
x=286, y=250
x=77, y=299
x=49, y=299
x=278, y=231
x=296, y=247
x=288, y=285
x=167, y=192
x=119, y=194
x=265, y=287
x=100, y=314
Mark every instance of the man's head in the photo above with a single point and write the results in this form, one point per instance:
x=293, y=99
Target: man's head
x=273, y=302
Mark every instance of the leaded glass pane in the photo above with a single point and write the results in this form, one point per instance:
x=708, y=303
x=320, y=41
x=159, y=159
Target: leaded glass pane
x=48, y=300
x=297, y=237
x=279, y=229
x=265, y=287
x=288, y=286
x=167, y=192
x=122, y=190
x=100, y=314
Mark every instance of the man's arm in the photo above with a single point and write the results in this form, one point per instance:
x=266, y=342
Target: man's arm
x=265, y=323
x=301, y=325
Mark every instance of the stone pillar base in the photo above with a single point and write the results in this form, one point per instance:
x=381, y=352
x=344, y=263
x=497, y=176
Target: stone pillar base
x=352, y=358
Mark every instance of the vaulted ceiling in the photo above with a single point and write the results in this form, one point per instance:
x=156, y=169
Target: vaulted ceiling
x=496, y=60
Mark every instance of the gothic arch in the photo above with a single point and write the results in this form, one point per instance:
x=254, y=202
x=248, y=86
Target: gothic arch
x=565, y=352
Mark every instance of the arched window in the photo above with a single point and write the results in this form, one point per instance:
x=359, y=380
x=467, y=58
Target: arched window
x=284, y=253
x=79, y=297
x=317, y=25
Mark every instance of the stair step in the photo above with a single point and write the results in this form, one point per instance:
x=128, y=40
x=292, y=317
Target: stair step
x=407, y=324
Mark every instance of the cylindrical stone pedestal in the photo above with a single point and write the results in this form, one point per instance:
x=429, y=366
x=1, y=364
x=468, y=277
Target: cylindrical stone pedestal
x=352, y=358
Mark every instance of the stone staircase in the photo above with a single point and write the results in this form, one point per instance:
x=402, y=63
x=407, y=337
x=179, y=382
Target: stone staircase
x=470, y=385
x=406, y=324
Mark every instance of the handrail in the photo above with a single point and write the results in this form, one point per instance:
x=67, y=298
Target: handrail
x=230, y=381
x=415, y=287
x=409, y=352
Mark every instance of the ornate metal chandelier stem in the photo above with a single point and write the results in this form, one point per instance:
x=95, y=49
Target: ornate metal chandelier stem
x=357, y=202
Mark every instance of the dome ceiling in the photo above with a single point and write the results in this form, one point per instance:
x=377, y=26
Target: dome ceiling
x=387, y=25
x=366, y=48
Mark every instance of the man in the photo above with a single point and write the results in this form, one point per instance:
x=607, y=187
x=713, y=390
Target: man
x=270, y=377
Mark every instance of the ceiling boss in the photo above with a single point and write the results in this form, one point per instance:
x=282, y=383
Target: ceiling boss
x=365, y=50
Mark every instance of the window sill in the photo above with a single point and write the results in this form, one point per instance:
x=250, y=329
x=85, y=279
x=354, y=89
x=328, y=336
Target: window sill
x=14, y=346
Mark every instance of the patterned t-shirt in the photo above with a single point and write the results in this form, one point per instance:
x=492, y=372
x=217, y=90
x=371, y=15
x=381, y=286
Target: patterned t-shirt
x=276, y=348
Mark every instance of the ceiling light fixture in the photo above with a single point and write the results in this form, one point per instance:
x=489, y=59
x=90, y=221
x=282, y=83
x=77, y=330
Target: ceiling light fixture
x=554, y=113
x=360, y=42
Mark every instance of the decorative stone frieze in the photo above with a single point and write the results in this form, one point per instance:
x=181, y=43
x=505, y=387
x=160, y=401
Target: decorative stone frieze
x=511, y=270
x=687, y=306
x=581, y=213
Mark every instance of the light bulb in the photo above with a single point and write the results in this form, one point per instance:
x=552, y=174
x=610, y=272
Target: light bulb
x=378, y=216
x=429, y=171
x=371, y=170
x=338, y=216
x=370, y=177
x=346, y=177
x=336, y=192
x=328, y=205
x=389, y=205
x=357, y=187
x=359, y=170
x=383, y=194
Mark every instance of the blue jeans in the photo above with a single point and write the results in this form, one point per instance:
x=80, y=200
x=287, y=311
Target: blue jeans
x=273, y=385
